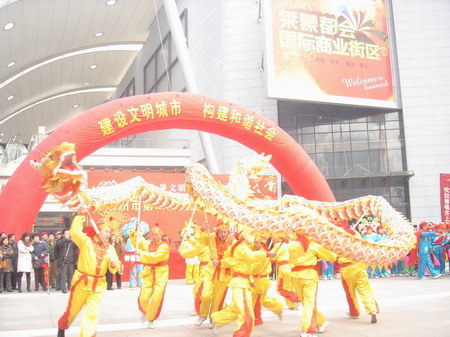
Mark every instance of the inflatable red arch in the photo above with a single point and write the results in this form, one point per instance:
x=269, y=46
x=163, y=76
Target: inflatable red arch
x=23, y=196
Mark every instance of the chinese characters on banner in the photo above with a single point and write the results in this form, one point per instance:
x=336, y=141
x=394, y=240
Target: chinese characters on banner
x=162, y=110
x=445, y=197
x=330, y=51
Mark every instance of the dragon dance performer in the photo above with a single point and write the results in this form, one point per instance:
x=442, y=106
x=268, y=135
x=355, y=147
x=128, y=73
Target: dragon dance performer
x=155, y=259
x=304, y=255
x=281, y=259
x=211, y=290
x=240, y=259
x=355, y=280
x=261, y=269
x=96, y=256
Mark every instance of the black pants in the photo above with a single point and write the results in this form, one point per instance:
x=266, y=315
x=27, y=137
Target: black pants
x=5, y=275
x=39, y=278
x=19, y=280
x=67, y=271
x=109, y=280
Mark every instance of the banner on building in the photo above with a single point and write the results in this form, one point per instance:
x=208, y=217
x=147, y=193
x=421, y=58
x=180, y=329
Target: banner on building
x=445, y=197
x=329, y=51
x=170, y=222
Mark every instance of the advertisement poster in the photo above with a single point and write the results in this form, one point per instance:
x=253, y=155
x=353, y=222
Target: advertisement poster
x=329, y=51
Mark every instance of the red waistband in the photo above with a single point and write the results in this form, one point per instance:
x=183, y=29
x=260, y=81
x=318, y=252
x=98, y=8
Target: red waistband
x=241, y=275
x=282, y=263
x=159, y=264
x=347, y=264
x=203, y=263
x=300, y=268
x=86, y=274
x=260, y=276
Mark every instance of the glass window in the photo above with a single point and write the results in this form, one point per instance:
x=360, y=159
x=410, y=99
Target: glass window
x=308, y=143
x=358, y=126
x=395, y=160
x=163, y=85
x=342, y=141
x=287, y=119
x=359, y=141
x=150, y=74
x=361, y=162
x=323, y=128
x=325, y=162
x=178, y=83
x=392, y=125
x=324, y=142
x=342, y=163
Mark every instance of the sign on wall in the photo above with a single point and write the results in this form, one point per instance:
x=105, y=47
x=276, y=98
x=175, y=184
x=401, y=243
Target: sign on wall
x=329, y=51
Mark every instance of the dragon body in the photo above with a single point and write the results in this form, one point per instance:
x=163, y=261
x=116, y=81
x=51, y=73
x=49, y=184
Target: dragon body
x=230, y=203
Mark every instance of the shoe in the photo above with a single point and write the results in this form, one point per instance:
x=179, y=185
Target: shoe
x=323, y=327
x=351, y=316
x=143, y=318
x=307, y=334
x=64, y=291
x=214, y=327
x=109, y=289
x=119, y=287
x=151, y=325
x=9, y=290
x=57, y=289
x=61, y=333
x=36, y=289
x=211, y=325
x=422, y=278
x=280, y=315
x=45, y=289
x=437, y=276
x=200, y=320
x=373, y=318
x=297, y=305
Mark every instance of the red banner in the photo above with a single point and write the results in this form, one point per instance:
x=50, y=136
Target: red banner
x=169, y=222
x=445, y=197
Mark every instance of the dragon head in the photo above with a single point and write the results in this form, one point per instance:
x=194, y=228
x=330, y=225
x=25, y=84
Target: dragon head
x=61, y=175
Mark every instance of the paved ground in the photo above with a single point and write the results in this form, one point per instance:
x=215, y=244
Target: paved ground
x=409, y=307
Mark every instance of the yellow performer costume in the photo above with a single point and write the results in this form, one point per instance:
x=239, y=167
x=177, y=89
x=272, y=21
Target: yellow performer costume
x=305, y=279
x=239, y=258
x=88, y=282
x=354, y=279
x=261, y=269
x=155, y=258
x=192, y=272
x=281, y=259
x=210, y=292
x=197, y=245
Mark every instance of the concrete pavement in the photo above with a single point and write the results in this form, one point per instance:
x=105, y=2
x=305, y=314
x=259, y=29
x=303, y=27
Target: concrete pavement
x=409, y=307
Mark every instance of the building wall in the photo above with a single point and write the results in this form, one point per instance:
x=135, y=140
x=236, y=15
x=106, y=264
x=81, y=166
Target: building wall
x=423, y=39
x=226, y=47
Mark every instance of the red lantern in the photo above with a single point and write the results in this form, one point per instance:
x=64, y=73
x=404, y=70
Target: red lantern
x=92, y=169
x=175, y=170
x=161, y=170
x=106, y=169
x=147, y=169
x=60, y=220
x=45, y=219
x=119, y=169
x=133, y=170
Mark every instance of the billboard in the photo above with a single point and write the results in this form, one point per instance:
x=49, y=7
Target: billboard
x=329, y=51
x=445, y=197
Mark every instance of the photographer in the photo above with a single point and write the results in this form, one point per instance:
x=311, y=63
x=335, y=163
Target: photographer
x=67, y=259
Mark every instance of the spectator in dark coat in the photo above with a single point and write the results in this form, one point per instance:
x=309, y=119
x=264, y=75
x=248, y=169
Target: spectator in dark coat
x=6, y=255
x=13, y=244
x=67, y=259
x=39, y=255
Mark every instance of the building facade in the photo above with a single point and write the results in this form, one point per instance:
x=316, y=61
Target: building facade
x=395, y=151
